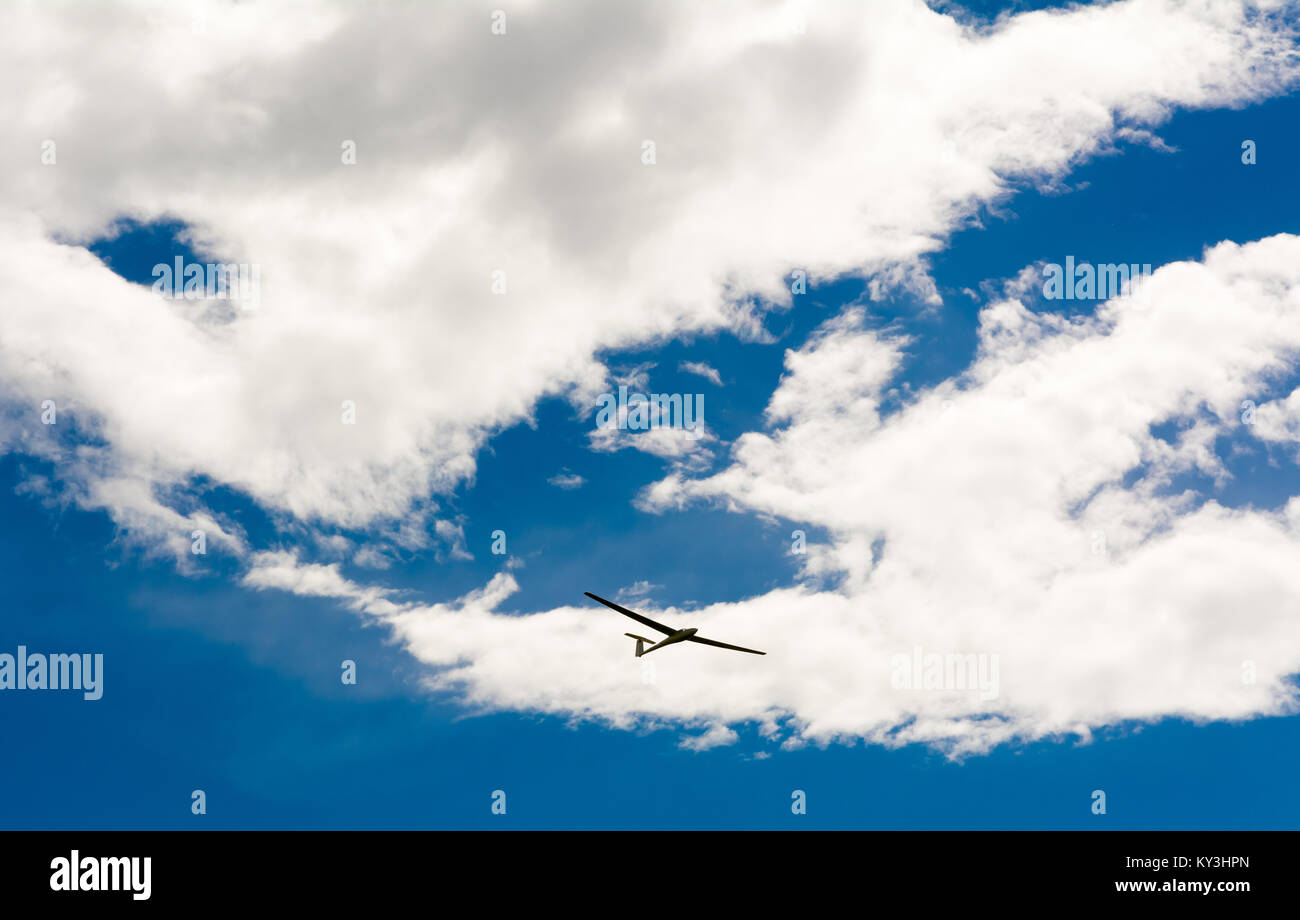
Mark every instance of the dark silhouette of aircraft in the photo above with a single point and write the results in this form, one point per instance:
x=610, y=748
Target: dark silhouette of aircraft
x=674, y=635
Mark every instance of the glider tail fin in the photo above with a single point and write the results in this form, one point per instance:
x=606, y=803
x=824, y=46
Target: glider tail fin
x=640, y=643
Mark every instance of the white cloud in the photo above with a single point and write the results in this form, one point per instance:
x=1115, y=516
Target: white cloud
x=717, y=735
x=1277, y=420
x=1006, y=530
x=702, y=369
x=519, y=153
x=990, y=509
x=566, y=480
x=667, y=442
x=636, y=592
x=372, y=557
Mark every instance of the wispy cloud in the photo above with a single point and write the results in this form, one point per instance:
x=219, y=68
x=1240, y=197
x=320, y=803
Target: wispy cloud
x=566, y=480
x=638, y=591
x=703, y=370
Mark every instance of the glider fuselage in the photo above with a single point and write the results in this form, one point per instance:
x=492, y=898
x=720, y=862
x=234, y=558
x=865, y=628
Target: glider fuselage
x=680, y=636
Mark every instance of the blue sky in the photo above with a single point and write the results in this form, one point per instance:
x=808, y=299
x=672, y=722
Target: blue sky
x=213, y=685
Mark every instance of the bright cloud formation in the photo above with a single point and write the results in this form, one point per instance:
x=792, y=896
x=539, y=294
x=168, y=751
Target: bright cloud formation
x=452, y=224
x=1006, y=531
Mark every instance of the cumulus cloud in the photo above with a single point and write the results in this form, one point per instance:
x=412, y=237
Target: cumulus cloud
x=1026, y=521
x=1276, y=420
x=1006, y=525
x=717, y=735
x=501, y=223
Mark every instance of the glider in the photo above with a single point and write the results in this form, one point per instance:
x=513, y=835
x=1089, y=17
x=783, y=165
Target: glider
x=674, y=635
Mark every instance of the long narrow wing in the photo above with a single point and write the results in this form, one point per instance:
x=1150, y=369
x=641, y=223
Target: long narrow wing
x=715, y=644
x=644, y=621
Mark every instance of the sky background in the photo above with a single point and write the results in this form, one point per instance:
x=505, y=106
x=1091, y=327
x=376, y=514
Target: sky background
x=212, y=685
